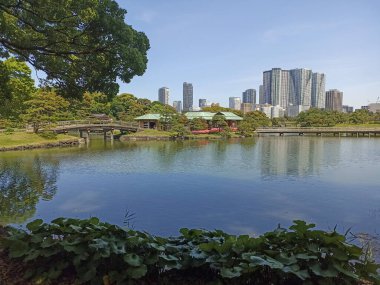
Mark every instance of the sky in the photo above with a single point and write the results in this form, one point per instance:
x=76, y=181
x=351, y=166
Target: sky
x=222, y=47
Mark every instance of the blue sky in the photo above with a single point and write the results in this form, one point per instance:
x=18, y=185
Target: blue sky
x=223, y=48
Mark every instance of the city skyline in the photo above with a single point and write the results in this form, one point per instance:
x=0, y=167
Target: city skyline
x=345, y=47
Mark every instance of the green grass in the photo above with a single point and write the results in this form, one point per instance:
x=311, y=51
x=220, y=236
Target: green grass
x=23, y=138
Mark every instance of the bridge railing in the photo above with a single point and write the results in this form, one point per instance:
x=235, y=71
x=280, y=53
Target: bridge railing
x=95, y=122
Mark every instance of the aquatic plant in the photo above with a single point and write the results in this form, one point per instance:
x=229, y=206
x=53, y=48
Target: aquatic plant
x=97, y=252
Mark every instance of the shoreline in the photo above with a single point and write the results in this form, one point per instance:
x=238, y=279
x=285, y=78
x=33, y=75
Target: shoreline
x=46, y=145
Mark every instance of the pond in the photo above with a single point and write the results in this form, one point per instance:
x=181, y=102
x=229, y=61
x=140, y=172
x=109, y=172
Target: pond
x=239, y=185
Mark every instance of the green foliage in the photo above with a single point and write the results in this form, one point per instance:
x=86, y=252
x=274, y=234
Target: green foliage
x=16, y=86
x=197, y=124
x=45, y=107
x=219, y=121
x=91, y=250
x=320, y=118
x=361, y=117
x=95, y=103
x=81, y=45
x=126, y=107
x=226, y=132
x=49, y=135
x=9, y=131
x=179, y=130
x=254, y=120
x=246, y=128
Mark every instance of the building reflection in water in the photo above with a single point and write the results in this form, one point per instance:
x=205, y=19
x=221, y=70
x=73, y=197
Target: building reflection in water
x=294, y=156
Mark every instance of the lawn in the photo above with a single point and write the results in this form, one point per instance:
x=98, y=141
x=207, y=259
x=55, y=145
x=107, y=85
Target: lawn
x=22, y=138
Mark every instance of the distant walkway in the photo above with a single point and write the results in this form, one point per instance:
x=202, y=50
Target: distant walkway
x=85, y=127
x=345, y=131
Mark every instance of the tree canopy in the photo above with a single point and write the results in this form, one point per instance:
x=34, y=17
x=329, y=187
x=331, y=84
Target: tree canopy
x=16, y=86
x=80, y=45
x=45, y=107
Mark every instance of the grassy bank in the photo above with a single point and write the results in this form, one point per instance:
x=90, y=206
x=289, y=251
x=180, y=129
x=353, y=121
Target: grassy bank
x=17, y=139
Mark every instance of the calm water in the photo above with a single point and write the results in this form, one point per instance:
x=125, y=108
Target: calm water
x=240, y=186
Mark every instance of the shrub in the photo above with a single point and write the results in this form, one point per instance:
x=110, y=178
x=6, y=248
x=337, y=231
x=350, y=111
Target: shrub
x=49, y=135
x=9, y=131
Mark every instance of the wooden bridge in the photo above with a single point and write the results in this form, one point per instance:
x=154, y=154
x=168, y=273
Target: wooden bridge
x=85, y=127
x=342, y=131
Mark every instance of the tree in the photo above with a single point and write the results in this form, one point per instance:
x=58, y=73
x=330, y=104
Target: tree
x=126, y=107
x=197, y=124
x=246, y=128
x=80, y=45
x=179, y=130
x=16, y=86
x=360, y=117
x=96, y=103
x=45, y=107
x=219, y=121
x=257, y=119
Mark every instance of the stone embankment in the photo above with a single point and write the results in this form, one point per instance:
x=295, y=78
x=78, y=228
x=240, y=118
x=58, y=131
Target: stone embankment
x=64, y=143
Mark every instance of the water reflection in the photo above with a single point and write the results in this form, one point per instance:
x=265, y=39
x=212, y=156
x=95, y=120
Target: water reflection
x=241, y=186
x=23, y=182
x=293, y=156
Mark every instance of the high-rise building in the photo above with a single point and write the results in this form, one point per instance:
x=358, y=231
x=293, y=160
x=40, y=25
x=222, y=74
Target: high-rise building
x=203, y=103
x=347, y=109
x=163, y=95
x=261, y=94
x=276, y=87
x=235, y=103
x=318, y=93
x=334, y=99
x=187, y=96
x=249, y=96
x=300, y=90
x=177, y=105
x=293, y=87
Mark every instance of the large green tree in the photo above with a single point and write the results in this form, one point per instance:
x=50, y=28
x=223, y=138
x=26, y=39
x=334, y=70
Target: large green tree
x=16, y=86
x=81, y=45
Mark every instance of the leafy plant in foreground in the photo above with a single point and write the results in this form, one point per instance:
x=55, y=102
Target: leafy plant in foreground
x=92, y=250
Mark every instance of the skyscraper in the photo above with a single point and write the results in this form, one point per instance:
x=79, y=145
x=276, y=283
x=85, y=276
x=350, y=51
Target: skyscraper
x=293, y=87
x=202, y=103
x=163, y=95
x=301, y=84
x=276, y=87
x=334, y=100
x=235, y=103
x=318, y=93
x=249, y=96
x=261, y=94
x=177, y=105
x=187, y=96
